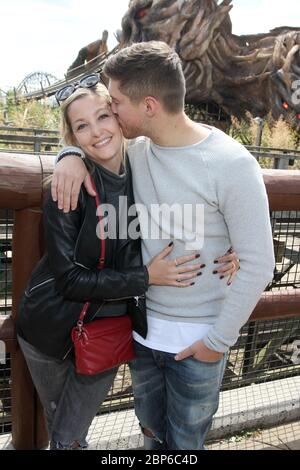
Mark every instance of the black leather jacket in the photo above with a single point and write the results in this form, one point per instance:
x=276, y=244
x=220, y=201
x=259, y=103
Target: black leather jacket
x=67, y=276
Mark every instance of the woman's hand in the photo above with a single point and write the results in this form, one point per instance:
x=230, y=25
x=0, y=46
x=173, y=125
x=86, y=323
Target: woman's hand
x=164, y=272
x=230, y=266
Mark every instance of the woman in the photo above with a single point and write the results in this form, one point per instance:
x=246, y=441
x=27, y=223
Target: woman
x=67, y=275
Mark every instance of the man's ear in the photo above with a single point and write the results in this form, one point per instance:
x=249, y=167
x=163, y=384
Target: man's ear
x=151, y=105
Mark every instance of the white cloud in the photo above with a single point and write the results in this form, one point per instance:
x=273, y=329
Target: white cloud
x=47, y=35
x=260, y=16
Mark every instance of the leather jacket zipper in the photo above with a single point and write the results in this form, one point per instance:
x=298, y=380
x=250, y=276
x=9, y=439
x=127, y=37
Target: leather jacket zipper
x=67, y=353
x=97, y=311
x=39, y=285
x=136, y=298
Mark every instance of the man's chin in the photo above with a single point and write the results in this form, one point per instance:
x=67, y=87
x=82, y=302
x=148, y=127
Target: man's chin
x=130, y=134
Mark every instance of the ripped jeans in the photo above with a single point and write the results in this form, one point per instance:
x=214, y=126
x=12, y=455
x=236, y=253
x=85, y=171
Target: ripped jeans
x=70, y=400
x=173, y=400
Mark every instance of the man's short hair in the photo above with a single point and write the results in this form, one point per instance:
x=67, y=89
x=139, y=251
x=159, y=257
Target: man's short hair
x=149, y=69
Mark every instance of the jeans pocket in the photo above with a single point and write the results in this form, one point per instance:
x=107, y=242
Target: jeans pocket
x=208, y=363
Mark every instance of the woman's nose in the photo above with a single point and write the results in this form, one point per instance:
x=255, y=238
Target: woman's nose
x=96, y=129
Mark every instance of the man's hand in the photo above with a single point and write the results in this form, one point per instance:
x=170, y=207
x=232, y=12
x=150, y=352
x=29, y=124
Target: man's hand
x=68, y=176
x=200, y=352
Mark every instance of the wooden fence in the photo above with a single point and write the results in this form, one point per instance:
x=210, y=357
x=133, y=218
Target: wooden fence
x=16, y=139
x=21, y=190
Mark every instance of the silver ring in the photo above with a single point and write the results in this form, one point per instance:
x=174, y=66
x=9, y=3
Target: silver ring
x=175, y=260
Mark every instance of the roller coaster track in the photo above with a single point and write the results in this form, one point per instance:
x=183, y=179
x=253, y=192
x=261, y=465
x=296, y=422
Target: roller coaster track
x=94, y=65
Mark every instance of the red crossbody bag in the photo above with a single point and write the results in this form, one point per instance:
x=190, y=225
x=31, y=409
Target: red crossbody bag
x=105, y=343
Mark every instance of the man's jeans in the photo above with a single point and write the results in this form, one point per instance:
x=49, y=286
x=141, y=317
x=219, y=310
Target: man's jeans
x=70, y=400
x=174, y=400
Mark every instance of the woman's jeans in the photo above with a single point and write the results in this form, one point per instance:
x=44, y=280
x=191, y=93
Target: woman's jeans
x=70, y=400
x=175, y=400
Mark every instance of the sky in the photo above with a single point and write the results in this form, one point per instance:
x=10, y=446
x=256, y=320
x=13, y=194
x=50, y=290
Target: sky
x=46, y=35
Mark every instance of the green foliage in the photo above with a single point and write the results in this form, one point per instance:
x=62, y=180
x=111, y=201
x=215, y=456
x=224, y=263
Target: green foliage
x=25, y=113
x=244, y=434
x=276, y=133
x=242, y=130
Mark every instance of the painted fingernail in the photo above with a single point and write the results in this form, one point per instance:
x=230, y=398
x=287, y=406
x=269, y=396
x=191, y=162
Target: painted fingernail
x=216, y=261
x=199, y=274
x=192, y=284
x=202, y=265
x=229, y=283
x=197, y=255
x=215, y=272
x=171, y=243
x=221, y=277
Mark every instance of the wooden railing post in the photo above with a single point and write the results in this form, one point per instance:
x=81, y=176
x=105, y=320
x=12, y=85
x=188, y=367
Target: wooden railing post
x=28, y=425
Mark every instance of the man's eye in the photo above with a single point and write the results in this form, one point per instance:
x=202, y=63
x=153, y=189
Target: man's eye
x=103, y=116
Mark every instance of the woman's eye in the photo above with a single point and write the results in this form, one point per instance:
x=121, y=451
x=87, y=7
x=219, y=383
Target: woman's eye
x=103, y=116
x=80, y=127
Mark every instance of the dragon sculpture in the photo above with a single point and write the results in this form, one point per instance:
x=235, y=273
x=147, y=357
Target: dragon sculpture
x=257, y=73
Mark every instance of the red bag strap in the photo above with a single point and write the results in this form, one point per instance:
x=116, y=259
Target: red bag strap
x=102, y=244
x=102, y=236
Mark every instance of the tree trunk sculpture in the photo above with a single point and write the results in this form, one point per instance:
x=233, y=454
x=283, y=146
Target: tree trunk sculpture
x=257, y=73
x=88, y=53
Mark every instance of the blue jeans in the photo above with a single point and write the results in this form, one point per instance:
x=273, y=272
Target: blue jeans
x=176, y=401
x=70, y=400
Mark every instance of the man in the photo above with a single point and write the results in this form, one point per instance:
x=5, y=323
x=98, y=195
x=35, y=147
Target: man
x=178, y=369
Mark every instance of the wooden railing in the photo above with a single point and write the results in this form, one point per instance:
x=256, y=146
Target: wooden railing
x=45, y=140
x=22, y=139
x=282, y=158
x=21, y=190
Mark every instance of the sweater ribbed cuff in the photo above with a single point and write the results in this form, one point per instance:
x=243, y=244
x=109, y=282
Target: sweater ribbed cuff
x=71, y=150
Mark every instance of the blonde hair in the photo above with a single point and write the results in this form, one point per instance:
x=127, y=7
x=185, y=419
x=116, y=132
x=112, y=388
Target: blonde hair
x=67, y=136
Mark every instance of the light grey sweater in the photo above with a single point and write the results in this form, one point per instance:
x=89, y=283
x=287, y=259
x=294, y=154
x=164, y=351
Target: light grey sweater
x=224, y=180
